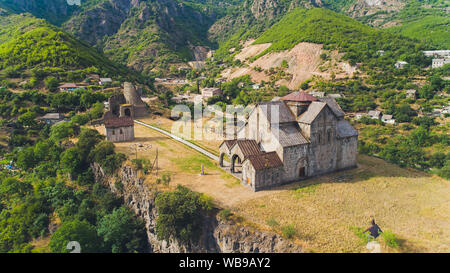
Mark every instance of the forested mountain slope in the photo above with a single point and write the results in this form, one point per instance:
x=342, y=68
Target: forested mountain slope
x=28, y=43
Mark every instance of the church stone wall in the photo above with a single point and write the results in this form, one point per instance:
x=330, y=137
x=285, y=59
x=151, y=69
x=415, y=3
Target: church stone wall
x=347, y=152
x=323, y=148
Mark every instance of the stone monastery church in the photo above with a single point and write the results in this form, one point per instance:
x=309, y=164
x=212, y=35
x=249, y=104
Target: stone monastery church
x=297, y=137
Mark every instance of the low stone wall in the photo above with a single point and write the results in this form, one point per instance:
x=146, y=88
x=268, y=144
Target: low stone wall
x=218, y=235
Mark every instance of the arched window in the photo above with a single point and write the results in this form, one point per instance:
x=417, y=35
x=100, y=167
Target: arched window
x=329, y=135
x=319, y=138
x=121, y=132
x=113, y=132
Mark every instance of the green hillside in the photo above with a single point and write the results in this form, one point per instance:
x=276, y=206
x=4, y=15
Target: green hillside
x=359, y=42
x=434, y=30
x=14, y=25
x=27, y=43
x=54, y=11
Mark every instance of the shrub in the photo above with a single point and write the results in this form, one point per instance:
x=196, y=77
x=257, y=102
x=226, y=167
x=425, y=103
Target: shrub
x=166, y=177
x=288, y=231
x=225, y=214
x=271, y=222
x=142, y=164
x=390, y=239
x=363, y=236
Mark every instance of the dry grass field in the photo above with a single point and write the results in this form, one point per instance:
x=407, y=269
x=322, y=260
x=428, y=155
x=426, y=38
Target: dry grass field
x=414, y=205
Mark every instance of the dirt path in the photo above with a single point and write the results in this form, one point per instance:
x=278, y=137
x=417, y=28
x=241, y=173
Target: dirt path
x=179, y=139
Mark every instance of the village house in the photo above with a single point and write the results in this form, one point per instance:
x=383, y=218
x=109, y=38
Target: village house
x=256, y=86
x=388, y=119
x=52, y=118
x=411, y=93
x=318, y=94
x=283, y=141
x=374, y=114
x=104, y=81
x=210, y=92
x=400, y=64
x=440, y=62
x=335, y=96
x=68, y=87
x=380, y=52
x=437, y=53
x=119, y=129
x=359, y=116
x=446, y=110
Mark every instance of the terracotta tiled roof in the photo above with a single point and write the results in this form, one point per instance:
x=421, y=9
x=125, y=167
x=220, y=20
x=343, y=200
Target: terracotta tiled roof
x=265, y=161
x=299, y=96
x=68, y=85
x=119, y=122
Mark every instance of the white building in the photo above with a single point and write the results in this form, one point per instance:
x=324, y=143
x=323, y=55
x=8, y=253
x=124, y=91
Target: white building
x=400, y=64
x=104, y=81
x=437, y=53
x=374, y=114
x=211, y=92
x=440, y=62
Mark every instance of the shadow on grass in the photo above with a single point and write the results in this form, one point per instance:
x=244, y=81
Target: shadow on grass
x=368, y=167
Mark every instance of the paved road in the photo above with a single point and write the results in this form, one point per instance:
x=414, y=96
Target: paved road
x=179, y=139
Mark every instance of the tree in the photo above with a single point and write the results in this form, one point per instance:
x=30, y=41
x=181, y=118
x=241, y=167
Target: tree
x=122, y=233
x=71, y=161
x=27, y=119
x=180, y=215
x=51, y=83
x=62, y=130
x=87, y=140
x=78, y=231
x=101, y=151
x=12, y=188
x=26, y=159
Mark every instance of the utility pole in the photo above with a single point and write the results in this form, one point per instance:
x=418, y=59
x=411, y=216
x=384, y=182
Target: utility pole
x=156, y=160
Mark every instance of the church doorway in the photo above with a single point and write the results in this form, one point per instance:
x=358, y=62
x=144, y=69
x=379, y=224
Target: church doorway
x=302, y=167
x=236, y=164
x=301, y=172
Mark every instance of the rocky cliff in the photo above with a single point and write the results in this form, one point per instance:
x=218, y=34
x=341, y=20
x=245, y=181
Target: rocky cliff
x=218, y=235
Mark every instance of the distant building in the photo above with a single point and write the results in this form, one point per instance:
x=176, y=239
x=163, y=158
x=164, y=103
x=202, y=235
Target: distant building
x=436, y=112
x=385, y=118
x=211, y=92
x=359, y=116
x=93, y=77
x=400, y=64
x=119, y=129
x=446, y=110
x=411, y=93
x=440, y=62
x=437, y=53
x=380, y=52
x=52, y=118
x=317, y=94
x=68, y=87
x=256, y=86
x=374, y=114
x=104, y=81
x=335, y=96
